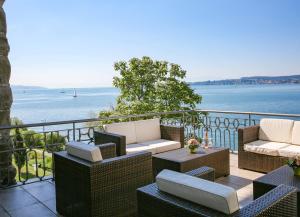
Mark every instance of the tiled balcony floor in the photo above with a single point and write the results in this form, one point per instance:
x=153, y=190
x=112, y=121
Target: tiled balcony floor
x=38, y=199
x=34, y=200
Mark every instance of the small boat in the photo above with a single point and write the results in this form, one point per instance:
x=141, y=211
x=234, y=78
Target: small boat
x=62, y=91
x=75, y=93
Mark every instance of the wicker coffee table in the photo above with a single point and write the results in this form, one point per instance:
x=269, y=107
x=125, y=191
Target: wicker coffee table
x=282, y=175
x=182, y=161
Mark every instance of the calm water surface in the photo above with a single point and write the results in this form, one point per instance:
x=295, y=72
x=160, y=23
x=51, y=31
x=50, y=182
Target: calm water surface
x=59, y=104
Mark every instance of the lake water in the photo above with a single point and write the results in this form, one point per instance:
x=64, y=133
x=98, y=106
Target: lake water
x=38, y=105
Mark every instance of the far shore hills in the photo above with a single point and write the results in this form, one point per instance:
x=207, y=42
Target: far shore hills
x=291, y=79
x=26, y=87
x=254, y=80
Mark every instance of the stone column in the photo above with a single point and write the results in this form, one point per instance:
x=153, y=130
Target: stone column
x=7, y=170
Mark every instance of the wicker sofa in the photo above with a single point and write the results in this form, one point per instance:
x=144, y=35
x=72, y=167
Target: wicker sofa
x=144, y=135
x=268, y=146
x=97, y=189
x=152, y=202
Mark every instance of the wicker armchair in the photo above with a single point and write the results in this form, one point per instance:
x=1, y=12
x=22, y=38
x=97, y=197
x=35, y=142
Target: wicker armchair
x=173, y=133
x=254, y=161
x=280, y=202
x=102, y=189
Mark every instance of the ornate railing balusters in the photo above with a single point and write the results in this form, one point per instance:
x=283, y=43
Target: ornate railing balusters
x=36, y=148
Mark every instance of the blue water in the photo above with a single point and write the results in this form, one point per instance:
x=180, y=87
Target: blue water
x=40, y=105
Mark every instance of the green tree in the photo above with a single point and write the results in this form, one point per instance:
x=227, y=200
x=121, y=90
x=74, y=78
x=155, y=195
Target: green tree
x=33, y=139
x=19, y=145
x=55, y=142
x=148, y=85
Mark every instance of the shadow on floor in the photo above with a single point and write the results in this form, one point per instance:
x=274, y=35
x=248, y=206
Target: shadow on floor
x=235, y=182
x=243, y=186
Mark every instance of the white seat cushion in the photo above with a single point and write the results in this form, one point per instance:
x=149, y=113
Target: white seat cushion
x=84, y=151
x=276, y=130
x=296, y=133
x=162, y=145
x=265, y=147
x=210, y=194
x=155, y=146
x=147, y=130
x=133, y=148
x=291, y=151
x=124, y=128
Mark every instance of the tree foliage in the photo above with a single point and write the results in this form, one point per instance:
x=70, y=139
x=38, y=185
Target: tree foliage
x=25, y=139
x=20, y=154
x=148, y=85
x=55, y=142
x=33, y=139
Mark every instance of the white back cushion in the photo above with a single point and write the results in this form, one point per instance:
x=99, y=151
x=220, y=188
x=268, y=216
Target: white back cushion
x=147, y=130
x=296, y=133
x=276, y=130
x=210, y=194
x=84, y=151
x=124, y=128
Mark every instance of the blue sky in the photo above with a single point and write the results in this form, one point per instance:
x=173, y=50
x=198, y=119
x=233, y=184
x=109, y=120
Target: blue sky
x=74, y=43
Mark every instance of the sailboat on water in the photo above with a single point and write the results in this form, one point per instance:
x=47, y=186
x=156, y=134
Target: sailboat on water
x=75, y=93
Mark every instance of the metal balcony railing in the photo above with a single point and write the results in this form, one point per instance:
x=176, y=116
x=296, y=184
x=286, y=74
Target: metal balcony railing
x=32, y=145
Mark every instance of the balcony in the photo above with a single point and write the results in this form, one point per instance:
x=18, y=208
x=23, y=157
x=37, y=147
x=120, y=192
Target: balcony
x=34, y=193
x=38, y=199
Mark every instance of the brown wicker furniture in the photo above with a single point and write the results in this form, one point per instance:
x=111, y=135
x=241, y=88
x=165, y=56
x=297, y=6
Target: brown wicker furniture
x=181, y=160
x=268, y=146
x=283, y=175
x=102, y=189
x=173, y=133
x=254, y=161
x=280, y=202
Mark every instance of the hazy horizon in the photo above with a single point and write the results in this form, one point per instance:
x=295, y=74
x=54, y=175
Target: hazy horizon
x=73, y=43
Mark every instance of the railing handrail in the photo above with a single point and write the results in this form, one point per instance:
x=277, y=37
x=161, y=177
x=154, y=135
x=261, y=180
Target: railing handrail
x=145, y=115
x=249, y=113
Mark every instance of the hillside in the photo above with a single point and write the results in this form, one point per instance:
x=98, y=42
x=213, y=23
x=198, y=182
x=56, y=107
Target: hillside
x=292, y=79
x=24, y=87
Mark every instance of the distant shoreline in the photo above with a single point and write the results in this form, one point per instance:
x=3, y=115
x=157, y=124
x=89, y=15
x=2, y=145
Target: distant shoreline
x=25, y=87
x=238, y=84
x=255, y=80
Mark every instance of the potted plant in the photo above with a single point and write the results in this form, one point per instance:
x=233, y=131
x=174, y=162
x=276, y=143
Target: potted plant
x=193, y=145
x=295, y=165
